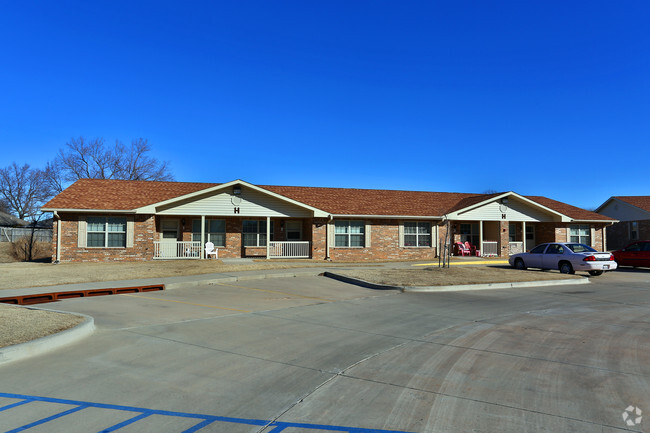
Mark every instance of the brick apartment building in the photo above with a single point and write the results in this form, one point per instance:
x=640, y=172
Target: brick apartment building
x=633, y=214
x=100, y=220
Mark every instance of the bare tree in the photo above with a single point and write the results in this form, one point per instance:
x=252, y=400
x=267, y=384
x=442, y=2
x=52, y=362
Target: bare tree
x=93, y=159
x=23, y=189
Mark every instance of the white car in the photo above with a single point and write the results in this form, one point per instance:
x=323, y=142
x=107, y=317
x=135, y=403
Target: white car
x=566, y=257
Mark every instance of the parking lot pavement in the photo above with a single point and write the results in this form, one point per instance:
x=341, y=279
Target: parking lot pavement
x=313, y=354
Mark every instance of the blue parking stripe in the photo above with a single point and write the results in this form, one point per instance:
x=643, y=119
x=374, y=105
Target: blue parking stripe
x=125, y=423
x=204, y=420
x=199, y=426
x=11, y=406
x=49, y=418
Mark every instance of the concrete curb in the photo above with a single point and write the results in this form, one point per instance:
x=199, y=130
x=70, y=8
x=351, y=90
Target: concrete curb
x=457, y=288
x=45, y=344
x=235, y=278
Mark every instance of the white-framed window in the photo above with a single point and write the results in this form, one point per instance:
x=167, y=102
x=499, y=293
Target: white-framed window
x=105, y=232
x=634, y=230
x=417, y=234
x=580, y=233
x=215, y=231
x=254, y=232
x=349, y=233
x=293, y=230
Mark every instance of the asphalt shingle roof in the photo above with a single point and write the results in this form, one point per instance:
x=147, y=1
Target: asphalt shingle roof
x=640, y=201
x=103, y=194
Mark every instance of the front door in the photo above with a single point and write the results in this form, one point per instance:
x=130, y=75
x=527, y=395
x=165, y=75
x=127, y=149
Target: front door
x=530, y=238
x=168, y=237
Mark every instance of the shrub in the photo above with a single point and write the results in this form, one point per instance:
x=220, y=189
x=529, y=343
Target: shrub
x=40, y=251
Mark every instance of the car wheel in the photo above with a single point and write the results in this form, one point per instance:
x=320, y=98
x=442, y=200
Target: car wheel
x=595, y=273
x=519, y=264
x=566, y=268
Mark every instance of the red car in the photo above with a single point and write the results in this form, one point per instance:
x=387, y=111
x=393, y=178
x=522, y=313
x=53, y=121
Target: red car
x=635, y=254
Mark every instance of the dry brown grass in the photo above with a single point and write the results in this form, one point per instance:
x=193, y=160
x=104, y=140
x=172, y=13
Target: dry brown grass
x=28, y=274
x=19, y=324
x=454, y=275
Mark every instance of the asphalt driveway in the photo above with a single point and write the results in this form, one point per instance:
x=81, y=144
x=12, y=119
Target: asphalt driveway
x=313, y=354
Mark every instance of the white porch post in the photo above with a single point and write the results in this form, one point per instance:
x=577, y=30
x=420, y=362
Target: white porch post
x=203, y=236
x=523, y=228
x=268, y=237
x=480, y=237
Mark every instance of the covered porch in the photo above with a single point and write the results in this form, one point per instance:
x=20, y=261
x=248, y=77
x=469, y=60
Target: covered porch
x=272, y=238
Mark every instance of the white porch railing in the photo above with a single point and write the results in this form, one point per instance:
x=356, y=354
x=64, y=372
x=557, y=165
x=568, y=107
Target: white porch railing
x=490, y=249
x=516, y=248
x=176, y=250
x=289, y=250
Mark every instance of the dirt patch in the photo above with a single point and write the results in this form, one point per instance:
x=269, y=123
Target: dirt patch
x=455, y=275
x=19, y=324
x=28, y=274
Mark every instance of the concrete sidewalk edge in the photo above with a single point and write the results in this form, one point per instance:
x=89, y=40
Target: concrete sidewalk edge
x=457, y=288
x=48, y=343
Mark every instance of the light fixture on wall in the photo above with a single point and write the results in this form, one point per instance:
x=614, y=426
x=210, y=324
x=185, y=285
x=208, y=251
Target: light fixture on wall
x=236, y=190
x=504, y=200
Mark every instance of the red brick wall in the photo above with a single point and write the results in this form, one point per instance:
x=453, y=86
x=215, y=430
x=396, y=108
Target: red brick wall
x=618, y=235
x=384, y=245
x=143, y=230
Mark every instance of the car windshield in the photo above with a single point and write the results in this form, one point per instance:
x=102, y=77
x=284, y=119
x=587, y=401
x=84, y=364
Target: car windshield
x=580, y=248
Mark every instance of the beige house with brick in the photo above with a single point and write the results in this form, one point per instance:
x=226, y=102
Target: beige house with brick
x=98, y=220
x=633, y=214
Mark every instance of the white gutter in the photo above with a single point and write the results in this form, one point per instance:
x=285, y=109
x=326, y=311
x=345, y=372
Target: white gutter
x=104, y=211
x=327, y=237
x=58, y=237
x=402, y=217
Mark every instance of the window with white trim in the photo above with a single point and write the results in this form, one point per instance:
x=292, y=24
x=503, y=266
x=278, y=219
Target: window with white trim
x=349, y=233
x=105, y=232
x=417, y=234
x=254, y=233
x=580, y=233
x=215, y=231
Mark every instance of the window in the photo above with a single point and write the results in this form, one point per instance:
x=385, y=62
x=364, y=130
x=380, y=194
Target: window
x=538, y=249
x=255, y=233
x=634, y=230
x=417, y=234
x=580, y=248
x=106, y=232
x=293, y=230
x=555, y=249
x=215, y=231
x=469, y=233
x=580, y=234
x=349, y=233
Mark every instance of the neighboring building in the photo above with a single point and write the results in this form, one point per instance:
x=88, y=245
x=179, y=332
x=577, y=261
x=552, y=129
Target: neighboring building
x=8, y=220
x=633, y=212
x=97, y=220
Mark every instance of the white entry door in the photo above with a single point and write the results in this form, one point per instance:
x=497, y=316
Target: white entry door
x=530, y=238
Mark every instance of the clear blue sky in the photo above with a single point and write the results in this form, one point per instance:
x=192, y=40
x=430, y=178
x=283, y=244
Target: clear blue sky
x=540, y=97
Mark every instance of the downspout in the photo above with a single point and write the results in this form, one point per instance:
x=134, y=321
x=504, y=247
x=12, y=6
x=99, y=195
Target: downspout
x=58, y=237
x=327, y=237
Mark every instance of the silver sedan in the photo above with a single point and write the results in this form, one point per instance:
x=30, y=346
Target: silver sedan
x=566, y=257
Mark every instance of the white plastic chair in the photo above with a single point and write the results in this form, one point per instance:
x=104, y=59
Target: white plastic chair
x=211, y=251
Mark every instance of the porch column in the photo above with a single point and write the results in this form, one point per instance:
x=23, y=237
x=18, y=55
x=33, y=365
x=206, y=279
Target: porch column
x=203, y=236
x=480, y=237
x=523, y=228
x=268, y=237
